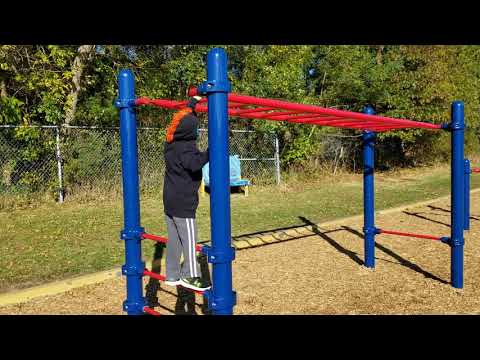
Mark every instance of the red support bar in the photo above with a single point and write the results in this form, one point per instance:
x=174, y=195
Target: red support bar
x=380, y=231
x=355, y=120
x=308, y=117
x=169, y=104
x=268, y=115
x=159, y=277
x=164, y=240
x=252, y=110
x=345, y=123
x=236, y=105
x=475, y=170
x=334, y=112
x=150, y=311
x=251, y=114
x=280, y=114
x=156, y=238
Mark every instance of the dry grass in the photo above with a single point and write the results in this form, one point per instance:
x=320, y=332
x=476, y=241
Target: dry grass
x=320, y=272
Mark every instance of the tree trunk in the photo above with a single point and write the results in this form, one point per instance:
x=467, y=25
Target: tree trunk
x=85, y=54
x=3, y=88
x=380, y=54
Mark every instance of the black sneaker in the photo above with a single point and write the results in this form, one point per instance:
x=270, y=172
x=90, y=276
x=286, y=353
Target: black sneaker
x=195, y=283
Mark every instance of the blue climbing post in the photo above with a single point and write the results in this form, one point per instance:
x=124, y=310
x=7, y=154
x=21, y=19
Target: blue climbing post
x=468, y=171
x=457, y=128
x=369, y=229
x=221, y=297
x=131, y=233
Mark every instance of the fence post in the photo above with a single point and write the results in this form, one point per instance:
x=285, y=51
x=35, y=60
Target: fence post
x=58, y=156
x=277, y=160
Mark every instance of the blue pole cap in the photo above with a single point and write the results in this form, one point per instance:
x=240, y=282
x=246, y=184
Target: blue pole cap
x=368, y=109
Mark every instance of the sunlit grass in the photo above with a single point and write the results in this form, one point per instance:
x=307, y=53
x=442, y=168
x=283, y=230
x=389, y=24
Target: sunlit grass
x=54, y=241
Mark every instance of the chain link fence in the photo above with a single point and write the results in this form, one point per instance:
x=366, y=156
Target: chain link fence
x=66, y=160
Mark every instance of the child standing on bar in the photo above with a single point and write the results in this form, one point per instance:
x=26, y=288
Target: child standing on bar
x=183, y=175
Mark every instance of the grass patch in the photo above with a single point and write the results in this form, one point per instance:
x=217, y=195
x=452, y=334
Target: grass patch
x=54, y=241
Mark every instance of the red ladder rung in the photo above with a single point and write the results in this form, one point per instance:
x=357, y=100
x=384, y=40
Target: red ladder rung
x=164, y=240
x=161, y=277
x=381, y=231
x=150, y=311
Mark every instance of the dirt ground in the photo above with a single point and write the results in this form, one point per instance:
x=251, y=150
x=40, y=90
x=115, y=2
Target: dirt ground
x=309, y=270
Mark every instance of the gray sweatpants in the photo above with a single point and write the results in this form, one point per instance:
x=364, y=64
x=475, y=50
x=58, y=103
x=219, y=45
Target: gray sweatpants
x=182, y=237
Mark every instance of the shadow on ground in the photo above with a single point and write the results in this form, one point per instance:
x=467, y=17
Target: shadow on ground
x=186, y=302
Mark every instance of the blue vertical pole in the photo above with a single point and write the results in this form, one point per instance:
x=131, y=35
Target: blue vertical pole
x=131, y=233
x=468, y=171
x=369, y=193
x=221, y=298
x=458, y=195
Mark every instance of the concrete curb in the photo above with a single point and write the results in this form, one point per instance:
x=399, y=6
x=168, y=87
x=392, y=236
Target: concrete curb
x=61, y=286
x=57, y=287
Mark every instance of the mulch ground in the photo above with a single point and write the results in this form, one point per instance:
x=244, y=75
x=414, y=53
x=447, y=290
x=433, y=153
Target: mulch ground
x=312, y=270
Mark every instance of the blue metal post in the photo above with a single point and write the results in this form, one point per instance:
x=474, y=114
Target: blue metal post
x=221, y=298
x=131, y=233
x=369, y=193
x=458, y=194
x=468, y=171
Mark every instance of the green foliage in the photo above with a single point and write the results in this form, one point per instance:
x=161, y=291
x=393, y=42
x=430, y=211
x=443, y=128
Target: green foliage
x=414, y=82
x=10, y=110
x=32, y=169
x=88, y=156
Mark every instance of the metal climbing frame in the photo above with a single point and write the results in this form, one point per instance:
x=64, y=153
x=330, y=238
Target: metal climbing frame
x=219, y=103
x=460, y=196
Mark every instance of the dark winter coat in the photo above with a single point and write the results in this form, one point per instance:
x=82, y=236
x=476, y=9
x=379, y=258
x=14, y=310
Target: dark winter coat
x=183, y=166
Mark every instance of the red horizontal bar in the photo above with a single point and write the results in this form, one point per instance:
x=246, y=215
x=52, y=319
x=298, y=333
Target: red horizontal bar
x=382, y=123
x=281, y=113
x=164, y=240
x=169, y=104
x=150, y=311
x=334, y=112
x=154, y=238
x=381, y=231
x=475, y=170
x=308, y=117
x=251, y=115
x=160, y=277
x=234, y=105
x=248, y=111
x=317, y=109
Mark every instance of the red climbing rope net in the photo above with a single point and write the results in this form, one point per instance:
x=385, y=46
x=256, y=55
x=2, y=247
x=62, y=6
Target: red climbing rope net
x=251, y=107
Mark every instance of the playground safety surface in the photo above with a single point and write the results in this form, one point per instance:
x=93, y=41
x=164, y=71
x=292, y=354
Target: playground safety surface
x=318, y=270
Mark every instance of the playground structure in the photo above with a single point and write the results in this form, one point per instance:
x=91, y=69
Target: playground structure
x=219, y=103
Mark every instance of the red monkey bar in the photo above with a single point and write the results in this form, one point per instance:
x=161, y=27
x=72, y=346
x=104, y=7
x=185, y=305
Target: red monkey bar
x=277, y=110
x=252, y=107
